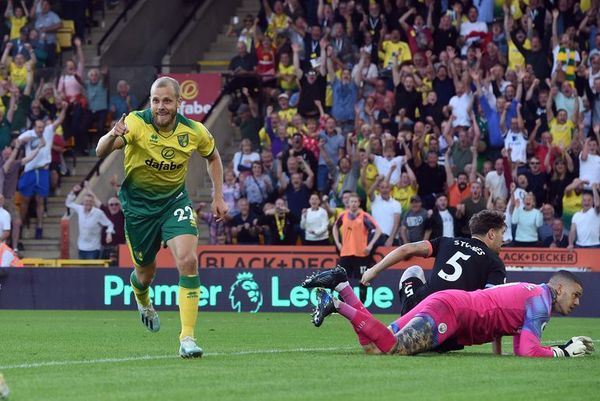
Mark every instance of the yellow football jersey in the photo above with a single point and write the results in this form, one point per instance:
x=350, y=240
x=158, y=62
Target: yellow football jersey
x=156, y=162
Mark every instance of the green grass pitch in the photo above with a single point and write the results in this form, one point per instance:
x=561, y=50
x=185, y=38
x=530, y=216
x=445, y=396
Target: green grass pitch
x=92, y=355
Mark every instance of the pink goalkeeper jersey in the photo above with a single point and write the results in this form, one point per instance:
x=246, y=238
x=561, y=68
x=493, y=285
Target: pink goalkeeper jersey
x=516, y=309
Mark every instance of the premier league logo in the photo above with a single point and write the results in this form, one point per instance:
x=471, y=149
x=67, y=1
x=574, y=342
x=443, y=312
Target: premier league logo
x=245, y=294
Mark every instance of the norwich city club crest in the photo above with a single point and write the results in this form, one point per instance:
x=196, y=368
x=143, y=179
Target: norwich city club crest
x=245, y=294
x=183, y=140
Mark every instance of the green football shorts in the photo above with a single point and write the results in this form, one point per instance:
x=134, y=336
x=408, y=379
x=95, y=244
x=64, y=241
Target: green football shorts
x=145, y=235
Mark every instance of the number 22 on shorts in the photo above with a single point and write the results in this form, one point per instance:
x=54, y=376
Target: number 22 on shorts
x=185, y=213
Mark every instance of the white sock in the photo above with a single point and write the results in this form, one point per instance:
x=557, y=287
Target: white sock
x=336, y=302
x=341, y=286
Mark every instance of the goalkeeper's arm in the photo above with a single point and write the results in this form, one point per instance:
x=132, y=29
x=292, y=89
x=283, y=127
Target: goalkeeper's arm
x=529, y=346
x=576, y=346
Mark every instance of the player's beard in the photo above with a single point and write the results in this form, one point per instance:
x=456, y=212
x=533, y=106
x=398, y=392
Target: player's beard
x=165, y=120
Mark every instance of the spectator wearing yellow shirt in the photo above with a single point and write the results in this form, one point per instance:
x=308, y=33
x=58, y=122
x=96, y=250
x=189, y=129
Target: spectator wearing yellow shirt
x=286, y=73
x=17, y=18
x=278, y=21
x=561, y=127
x=394, y=48
x=286, y=113
x=406, y=188
x=368, y=174
x=17, y=71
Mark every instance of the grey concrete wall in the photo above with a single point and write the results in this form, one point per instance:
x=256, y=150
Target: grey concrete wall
x=211, y=18
x=136, y=47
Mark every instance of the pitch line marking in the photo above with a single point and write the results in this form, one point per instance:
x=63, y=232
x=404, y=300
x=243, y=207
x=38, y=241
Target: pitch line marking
x=157, y=357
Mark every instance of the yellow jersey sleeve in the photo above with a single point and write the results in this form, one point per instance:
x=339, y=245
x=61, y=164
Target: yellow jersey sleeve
x=206, y=142
x=135, y=126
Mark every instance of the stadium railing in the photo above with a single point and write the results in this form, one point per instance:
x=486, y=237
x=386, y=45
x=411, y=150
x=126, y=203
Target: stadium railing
x=39, y=262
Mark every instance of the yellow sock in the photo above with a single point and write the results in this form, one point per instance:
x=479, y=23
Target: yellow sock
x=142, y=293
x=189, y=294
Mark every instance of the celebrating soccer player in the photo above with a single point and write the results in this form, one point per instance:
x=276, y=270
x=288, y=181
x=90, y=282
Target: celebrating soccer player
x=521, y=310
x=158, y=144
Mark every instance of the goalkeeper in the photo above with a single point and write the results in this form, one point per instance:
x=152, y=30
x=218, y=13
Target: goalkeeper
x=521, y=310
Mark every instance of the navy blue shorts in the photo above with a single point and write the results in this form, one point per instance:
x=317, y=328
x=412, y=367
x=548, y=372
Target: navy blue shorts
x=35, y=182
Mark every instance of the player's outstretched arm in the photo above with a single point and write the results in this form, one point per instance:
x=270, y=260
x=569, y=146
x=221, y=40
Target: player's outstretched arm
x=112, y=140
x=404, y=252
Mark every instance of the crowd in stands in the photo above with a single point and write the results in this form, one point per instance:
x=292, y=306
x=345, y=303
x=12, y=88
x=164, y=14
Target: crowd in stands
x=429, y=110
x=49, y=106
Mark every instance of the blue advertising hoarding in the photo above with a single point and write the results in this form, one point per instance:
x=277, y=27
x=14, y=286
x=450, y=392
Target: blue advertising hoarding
x=237, y=290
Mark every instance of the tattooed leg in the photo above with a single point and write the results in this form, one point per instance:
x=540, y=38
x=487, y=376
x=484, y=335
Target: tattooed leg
x=417, y=336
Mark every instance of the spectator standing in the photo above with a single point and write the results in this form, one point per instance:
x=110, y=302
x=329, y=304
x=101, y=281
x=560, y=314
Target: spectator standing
x=35, y=179
x=17, y=16
x=96, y=88
x=442, y=219
x=355, y=244
x=572, y=201
x=47, y=23
x=10, y=165
x=545, y=230
x=331, y=149
x=315, y=223
x=248, y=120
x=71, y=88
x=589, y=161
x=312, y=84
x=385, y=210
x=91, y=220
x=470, y=206
x=281, y=224
x=115, y=214
x=297, y=191
x=231, y=191
x=495, y=181
x=528, y=220
x=414, y=222
x=256, y=187
x=345, y=94
x=561, y=177
x=123, y=102
x=244, y=158
x=459, y=188
x=431, y=178
x=585, y=226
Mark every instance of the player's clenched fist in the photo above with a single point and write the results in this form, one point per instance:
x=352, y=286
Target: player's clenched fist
x=120, y=127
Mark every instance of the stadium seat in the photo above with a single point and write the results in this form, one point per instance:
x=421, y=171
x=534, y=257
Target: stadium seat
x=65, y=34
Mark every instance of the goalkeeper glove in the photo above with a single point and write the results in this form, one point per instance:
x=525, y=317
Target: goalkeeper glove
x=576, y=346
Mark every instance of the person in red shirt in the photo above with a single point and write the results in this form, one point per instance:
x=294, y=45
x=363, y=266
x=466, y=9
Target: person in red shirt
x=266, y=53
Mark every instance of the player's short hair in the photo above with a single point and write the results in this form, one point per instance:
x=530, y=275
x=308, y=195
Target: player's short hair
x=486, y=220
x=565, y=276
x=164, y=82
